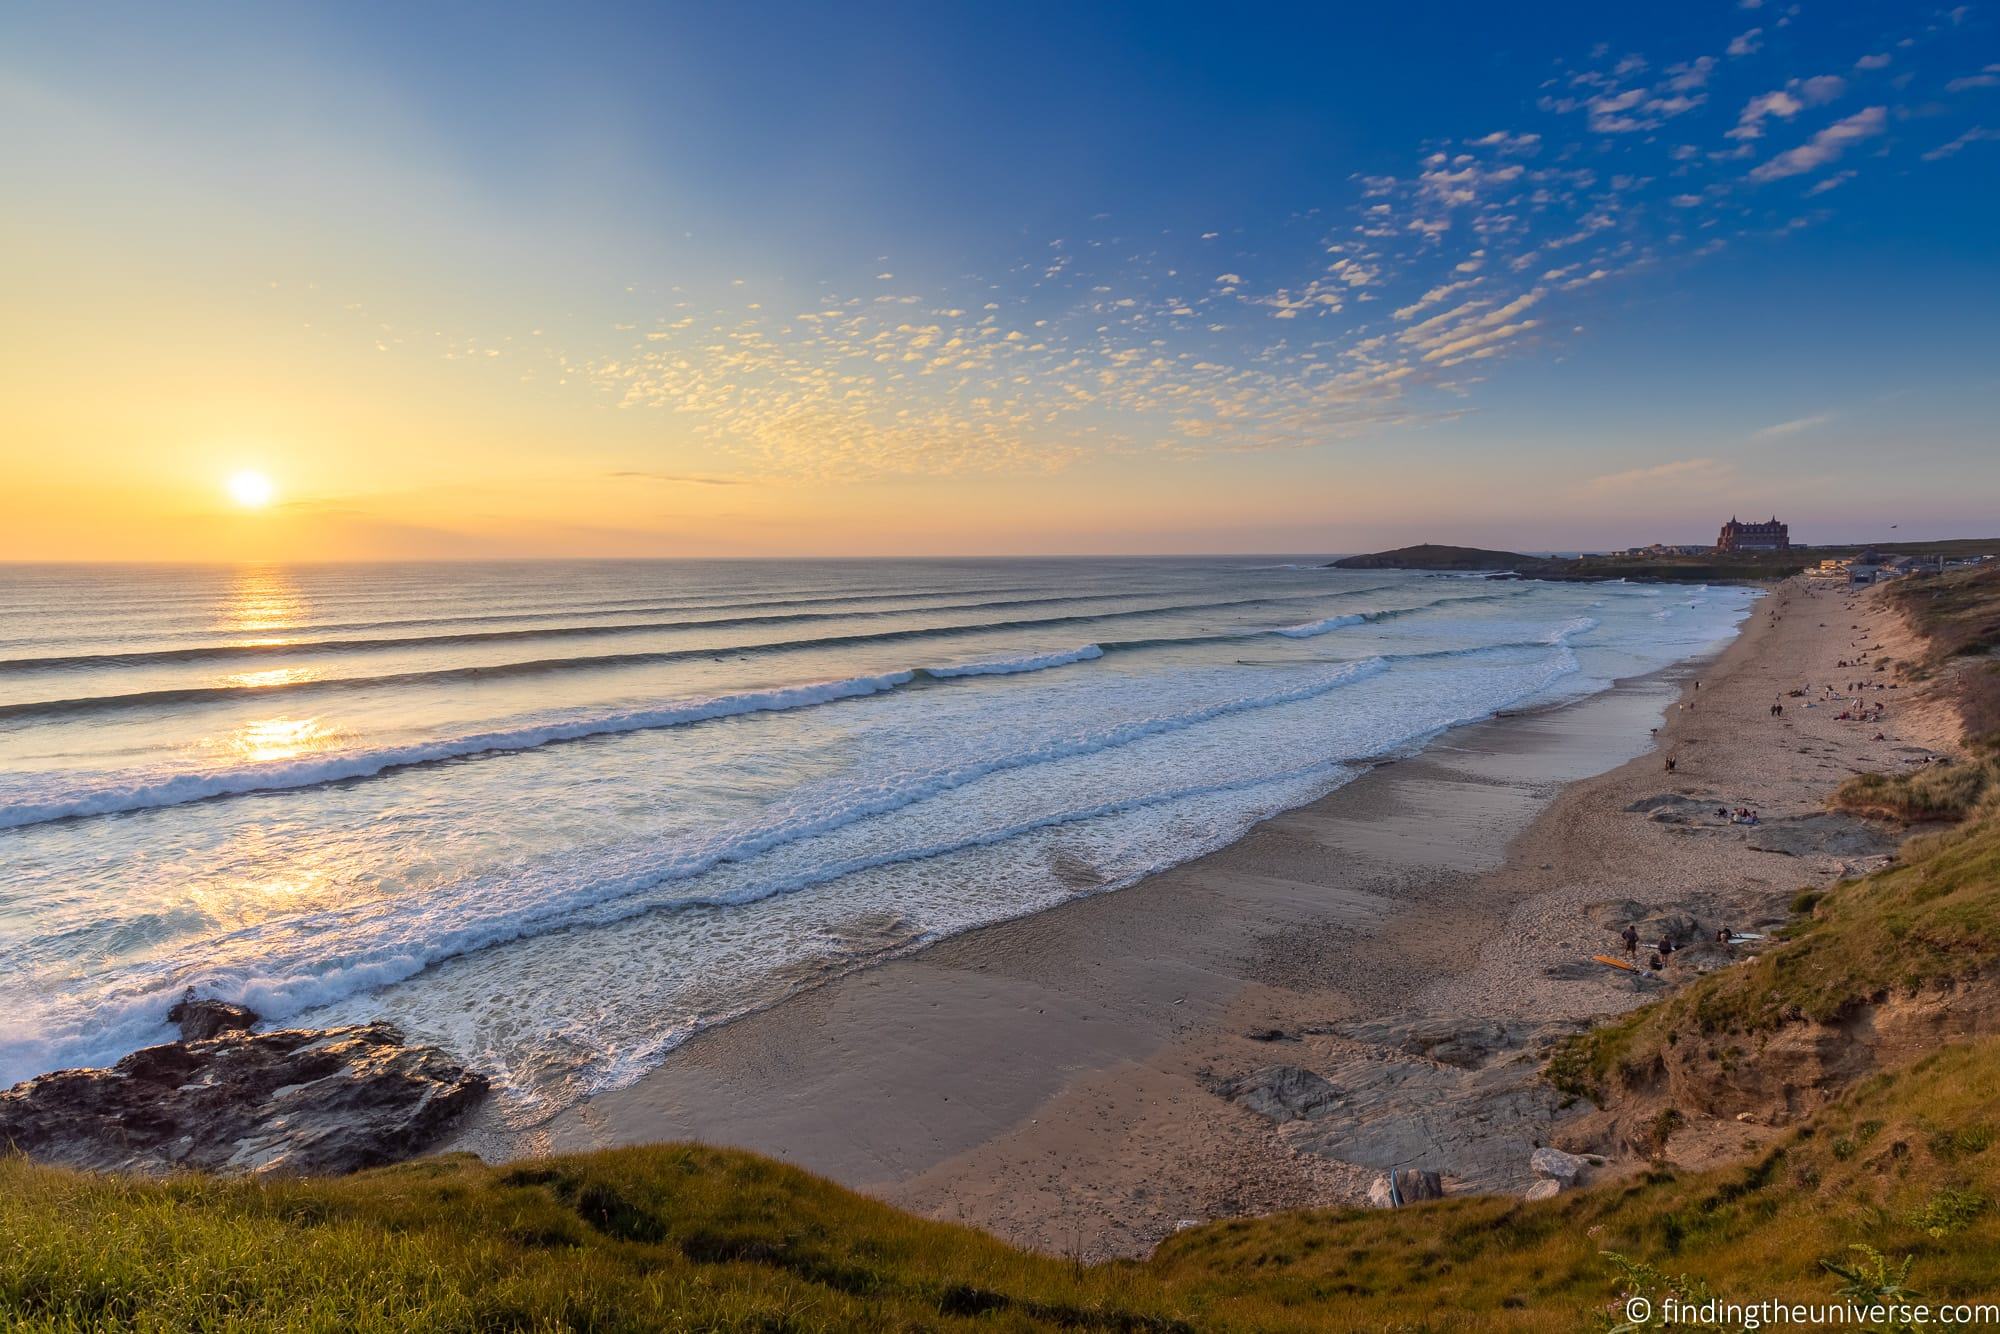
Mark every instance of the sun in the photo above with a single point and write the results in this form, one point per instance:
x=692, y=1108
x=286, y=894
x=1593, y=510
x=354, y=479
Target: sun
x=251, y=490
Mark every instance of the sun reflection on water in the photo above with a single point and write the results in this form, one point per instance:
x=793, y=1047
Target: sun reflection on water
x=271, y=676
x=263, y=600
x=280, y=739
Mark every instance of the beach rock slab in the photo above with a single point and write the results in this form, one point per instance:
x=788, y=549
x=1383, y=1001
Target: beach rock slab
x=1827, y=834
x=1281, y=1092
x=1465, y=1043
x=288, y=1103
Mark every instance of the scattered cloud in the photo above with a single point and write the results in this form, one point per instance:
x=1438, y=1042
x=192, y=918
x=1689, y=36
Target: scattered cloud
x=1793, y=427
x=1681, y=476
x=1976, y=135
x=1986, y=78
x=1824, y=147
x=1748, y=44
x=685, y=479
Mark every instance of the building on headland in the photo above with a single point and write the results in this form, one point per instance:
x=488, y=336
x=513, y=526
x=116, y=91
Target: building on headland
x=1740, y=536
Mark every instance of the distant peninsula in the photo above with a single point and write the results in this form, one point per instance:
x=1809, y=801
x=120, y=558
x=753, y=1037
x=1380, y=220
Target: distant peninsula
x=1649, y=565
x=1433, y=556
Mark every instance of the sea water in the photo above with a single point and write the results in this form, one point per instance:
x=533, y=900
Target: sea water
x=558, y=816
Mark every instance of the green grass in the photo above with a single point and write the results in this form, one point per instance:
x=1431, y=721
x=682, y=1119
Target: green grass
x=633, y=1239
x=679, y=1238
x=1934, y=792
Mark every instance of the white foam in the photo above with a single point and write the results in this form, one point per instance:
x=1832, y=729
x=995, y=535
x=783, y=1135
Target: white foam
x=1011, y=666
x=1312, y=629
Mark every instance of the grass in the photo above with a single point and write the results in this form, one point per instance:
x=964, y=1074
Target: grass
x=632, y=1239
x=1935, y=792
x=679, y=1238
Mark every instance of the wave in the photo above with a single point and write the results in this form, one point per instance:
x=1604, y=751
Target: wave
x=395, y=956
x=180, y=789
x=534, y=612
x=84, y=704
x=228, y=652
x=1313, y=628
x=1570, y=629
x=151, y=793
x=1013, y=666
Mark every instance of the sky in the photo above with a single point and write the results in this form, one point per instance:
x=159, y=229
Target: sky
x=911, y=279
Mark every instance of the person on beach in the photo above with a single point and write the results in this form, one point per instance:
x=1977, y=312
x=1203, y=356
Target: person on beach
x=1631, y=939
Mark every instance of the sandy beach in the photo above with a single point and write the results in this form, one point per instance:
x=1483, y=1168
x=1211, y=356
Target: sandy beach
x=1363, y=983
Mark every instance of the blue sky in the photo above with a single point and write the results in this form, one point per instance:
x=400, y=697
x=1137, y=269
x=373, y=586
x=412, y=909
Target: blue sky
x=931, y=277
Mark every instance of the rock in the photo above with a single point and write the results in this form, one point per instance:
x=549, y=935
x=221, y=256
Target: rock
x=1615, y=913
x=1415, y=1187
x=1677, y=926
x=1672, y=808
x=1556, y=1165
x=1545, y=1189
x=1281, y=1092
x=292, y=1102
x=1827, y=834
x=1465, y=1043
x=203, y=1019
x=1268, y=1035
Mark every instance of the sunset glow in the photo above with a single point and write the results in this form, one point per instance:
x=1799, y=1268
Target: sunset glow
x=1160, y=303
x=251, y=490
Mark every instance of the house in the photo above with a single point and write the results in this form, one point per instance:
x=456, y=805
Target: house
x=1739, y=536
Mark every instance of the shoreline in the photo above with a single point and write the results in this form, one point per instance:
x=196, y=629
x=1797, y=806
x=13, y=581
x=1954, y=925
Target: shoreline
x=1361, y=983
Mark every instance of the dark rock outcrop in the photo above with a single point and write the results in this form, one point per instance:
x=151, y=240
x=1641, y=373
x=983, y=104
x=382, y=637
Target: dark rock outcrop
x=293, y=1102
x=200, y=1020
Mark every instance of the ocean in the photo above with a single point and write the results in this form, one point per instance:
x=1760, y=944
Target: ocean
x=558, y=816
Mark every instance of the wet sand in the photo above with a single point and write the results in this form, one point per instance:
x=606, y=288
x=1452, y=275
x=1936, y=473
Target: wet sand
x=1061, y=1079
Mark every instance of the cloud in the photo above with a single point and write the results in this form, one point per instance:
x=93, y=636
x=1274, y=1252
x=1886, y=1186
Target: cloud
x=1877, y=61
x=1793, y=427
x=1824, y=147
x=1976, y=135
x=1748, y=44
x=1986, y=78
x=1750, y=123
x=1785, y=103
x=1681, y=476
x=686, y=479
x=1506, y=142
